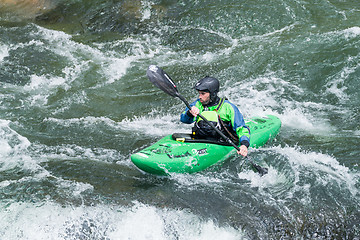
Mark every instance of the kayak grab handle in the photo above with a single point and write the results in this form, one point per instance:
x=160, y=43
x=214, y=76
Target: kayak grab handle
x=180, y=139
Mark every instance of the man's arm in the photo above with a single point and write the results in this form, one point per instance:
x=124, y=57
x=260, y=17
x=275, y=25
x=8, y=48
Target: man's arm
x=187, y=116
x=239, y=126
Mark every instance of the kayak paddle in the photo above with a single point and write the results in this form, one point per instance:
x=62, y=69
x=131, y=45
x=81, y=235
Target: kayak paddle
x=262, y=171
x=163, y=81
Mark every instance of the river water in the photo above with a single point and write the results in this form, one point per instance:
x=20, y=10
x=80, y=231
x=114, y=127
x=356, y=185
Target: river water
x=76, y=103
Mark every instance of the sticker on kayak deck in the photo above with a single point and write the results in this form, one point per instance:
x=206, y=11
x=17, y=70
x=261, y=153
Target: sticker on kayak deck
x=187, y=154
x=200, y=151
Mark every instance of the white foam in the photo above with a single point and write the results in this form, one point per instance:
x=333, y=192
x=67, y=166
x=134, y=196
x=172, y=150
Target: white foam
x=152, y=124
x=14, y=154
x=336, y=85
x=13, y=142
x=298, y=181
x=53, y=221
x=325, y=168
x=352, y=32
x=356, y=133
x=75, y=188
x=74, y=152
x=193, y=181
x=4, y=52
x=262, y=96
x=155, y=125
x=271, y=179
x=113, y=64
x=259, y=94
x=88, y=121
x=5, y=148
x=146, y=10
x=78, y=54
x=297, y=119
x=40, y=87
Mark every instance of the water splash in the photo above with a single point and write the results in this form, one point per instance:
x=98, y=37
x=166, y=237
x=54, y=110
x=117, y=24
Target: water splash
x=50, y=220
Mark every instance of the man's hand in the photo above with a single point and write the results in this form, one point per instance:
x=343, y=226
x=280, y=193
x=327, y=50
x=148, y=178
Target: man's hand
x=194, y=111
x=243, y=150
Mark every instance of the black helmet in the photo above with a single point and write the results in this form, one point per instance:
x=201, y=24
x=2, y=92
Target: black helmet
x=209, y=84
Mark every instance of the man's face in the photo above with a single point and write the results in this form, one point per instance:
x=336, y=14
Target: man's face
x=204, y=97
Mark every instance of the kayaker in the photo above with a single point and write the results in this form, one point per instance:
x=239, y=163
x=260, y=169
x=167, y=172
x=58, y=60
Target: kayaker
x=220, y=111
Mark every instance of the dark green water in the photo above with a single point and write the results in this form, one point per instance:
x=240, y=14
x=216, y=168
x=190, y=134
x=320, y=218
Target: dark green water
x=76, y=103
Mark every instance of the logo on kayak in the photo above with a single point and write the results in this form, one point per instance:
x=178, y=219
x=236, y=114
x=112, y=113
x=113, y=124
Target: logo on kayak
x=200, y=151
x=187, y=154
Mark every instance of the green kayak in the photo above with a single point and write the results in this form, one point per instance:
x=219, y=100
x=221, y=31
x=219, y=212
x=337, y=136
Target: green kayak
x=180, y=153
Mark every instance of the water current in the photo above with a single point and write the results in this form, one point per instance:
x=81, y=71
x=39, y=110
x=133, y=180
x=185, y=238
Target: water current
x=75, y=103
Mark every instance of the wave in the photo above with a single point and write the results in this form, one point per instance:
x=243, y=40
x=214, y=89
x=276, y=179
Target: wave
x=50, y=220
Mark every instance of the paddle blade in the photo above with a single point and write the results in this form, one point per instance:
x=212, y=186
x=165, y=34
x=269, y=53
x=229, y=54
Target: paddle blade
x=160, y=79
x=262, y=171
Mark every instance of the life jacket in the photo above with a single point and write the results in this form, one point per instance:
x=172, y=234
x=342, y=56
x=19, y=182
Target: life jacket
x=203, y=130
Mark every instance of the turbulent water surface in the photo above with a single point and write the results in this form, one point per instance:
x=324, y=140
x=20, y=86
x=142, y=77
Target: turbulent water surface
x=76, y=103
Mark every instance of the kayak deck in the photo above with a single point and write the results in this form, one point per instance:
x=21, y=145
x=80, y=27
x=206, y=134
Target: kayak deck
x=187, y=137
x=180, y=153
